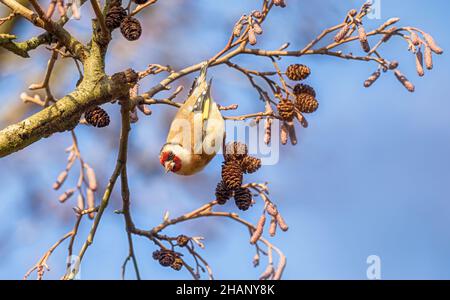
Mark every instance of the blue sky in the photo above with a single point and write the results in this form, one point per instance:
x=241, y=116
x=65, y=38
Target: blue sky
x=369, y=176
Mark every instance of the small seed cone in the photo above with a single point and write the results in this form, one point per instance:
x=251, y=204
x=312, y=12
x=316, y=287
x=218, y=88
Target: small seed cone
x=115, y=16
x=251, y=164
x=243, y=198
x=223, y=194
x=131, y=28
x=297, y=72
x=286, y=110
x=97, y=117
x=306, y=103
x=235, y=151
x=177, y=265
x=165, y=257
x=232, y=175
x=304, y=88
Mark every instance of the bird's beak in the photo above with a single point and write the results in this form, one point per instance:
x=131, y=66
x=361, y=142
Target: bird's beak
x=169, y=165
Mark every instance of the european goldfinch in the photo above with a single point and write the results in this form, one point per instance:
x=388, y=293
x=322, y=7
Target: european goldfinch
x=196, y=133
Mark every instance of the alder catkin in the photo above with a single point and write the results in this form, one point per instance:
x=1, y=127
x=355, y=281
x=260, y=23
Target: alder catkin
x=80, y=202
x=388, y=23
x=415, y=39
x=251, y=36
x=257, y=28
x=267, y=131
x=60, y=179
x=92, y=179
x=342, y=33
x=67, y=194
x=362, y=35
x=292, y=134
x=404, y=81
x=419, y=63
x=428, y=58
x=284, y=134
x=282, y=223
x=259, y=230
x=372, y=79
x=237, y=29
x=273, y=227
x=389, y=34
x=432, y=44
x=90, y=201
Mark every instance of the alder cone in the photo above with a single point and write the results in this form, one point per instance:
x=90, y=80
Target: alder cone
x=306, y=103
x=139, y=2
x=177, y=264
x=297, y=72
x=235, y=151
x=301, y=88
x=286, y=109
x=251, y=164
x=243, y=198
x=223, y=194
x=232, y=175
x=165, y=257
x=115, y=3
x=115, y=16
x=97, y=117
x=131, y=28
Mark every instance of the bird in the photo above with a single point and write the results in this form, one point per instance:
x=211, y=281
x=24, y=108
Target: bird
x=196, y=133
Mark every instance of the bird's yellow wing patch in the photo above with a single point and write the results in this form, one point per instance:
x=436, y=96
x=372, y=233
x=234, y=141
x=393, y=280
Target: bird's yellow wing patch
x=206, y=106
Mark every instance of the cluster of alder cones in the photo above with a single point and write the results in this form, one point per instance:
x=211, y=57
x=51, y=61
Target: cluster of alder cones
x=117, y=16
x=237, y=162
x=168, y=258
x=305, y=95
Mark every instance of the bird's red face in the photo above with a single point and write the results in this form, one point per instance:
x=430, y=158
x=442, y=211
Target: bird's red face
x=170, y=161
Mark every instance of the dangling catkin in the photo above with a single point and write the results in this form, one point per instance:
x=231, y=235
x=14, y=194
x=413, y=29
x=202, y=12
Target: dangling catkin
x=259, y=230
x=403, y=80
x=371, y=80
x=428, y=58
x=419, y=63
x=362, y=35
x=432, y=44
